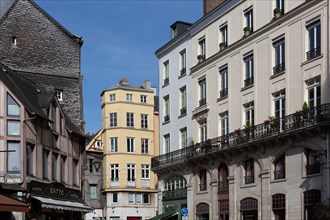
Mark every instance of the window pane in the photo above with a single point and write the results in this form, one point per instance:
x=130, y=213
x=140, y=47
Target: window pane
x=13, y=158
x=12, y=107
x=13, y=127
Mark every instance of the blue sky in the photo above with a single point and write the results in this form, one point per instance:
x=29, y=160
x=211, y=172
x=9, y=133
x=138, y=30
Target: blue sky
x=120, y=40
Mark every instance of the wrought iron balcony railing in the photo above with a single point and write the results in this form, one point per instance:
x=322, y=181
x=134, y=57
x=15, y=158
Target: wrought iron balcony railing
x=313, y=53
x=223, y=186
x=183, y=111
x=249, y=179
x=280, y=174
x=248, y=81
x=294, y=123
x=174, y=194
x=223, y=92
x=313, y=168
x=166, y=81
x=166, y=118
x=202, y=102
x=278, y=68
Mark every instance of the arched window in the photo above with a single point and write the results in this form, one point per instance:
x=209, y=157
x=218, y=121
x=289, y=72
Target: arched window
x=278, y=205
x=249, y=171
x=312, y=166
x=249, y=208
x=223, y=178
x=311, y=199
x=224, y=209
x=279, y=168
x=202, y=211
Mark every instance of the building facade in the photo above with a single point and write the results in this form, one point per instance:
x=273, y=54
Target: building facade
x=260, y=94
x=128, y=137
x=41, y=49
x=41, y=152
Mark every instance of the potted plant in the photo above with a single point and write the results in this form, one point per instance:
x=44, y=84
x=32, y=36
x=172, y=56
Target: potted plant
x=305, y=106
x=200, y=58
x=247, y=31
x=222, y=45
x=277, y=12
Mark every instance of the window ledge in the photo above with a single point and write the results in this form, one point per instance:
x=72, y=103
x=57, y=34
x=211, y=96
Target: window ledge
x=247, y=87
x=311, y=175
x=181, y=116
x=222, y=98
x=182, y=75
x=248, y=185
x=164, y=85
x=312, y=60
x=166, y=122
x=278, y=180
x=277, y=74
x=202, y=192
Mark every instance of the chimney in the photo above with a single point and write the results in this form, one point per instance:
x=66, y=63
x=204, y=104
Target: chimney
x=209, y=5
x=147, y=84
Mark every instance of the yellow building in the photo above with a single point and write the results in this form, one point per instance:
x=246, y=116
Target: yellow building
x=128, y=136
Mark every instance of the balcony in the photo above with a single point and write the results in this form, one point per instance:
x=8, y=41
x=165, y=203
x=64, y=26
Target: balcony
x=223, y=186
x=313, y=53
x=202, y=102
x=223, y=93
x=131, y=183
x=249, y=179
x=114, y=182
x=299, y=122
x=279, y=174
x=248, y=81
x=166, y=118
x=313, y=169
x=183, y=111
x=174, y=194
x=278, y=68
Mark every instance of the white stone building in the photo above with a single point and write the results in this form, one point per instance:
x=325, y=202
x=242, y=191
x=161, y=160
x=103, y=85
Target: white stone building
x=260, y=153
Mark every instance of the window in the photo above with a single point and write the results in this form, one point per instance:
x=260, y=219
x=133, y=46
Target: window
x=112, y=97
x=202, y=92
x=314, y=38
x=59, y=95
x=92, y=191
x=279, y=168
x=279, y=107
x=114, y=144
x=130, y=119
x=114, y=197
x=166, y=74
x=131, y=198
x=312, y=166
x=13, y=127
x=182, y=62
x=175, y=182
x=13, y=157
x=114, y=172
x=249, y=208
x=249, y=70
x=314, y=93
x=13, y=108
x=223, y=184
x=75, y=172
x=146, y=198
x=63, y=169
x=144, y=145
x=167, y=143
x=278, y=205
x=45, y=155
x=202, y=180
x=249, y=171
x=130, y=144
x=145, y=171
x=223, y=36
x=14, y=41
x=224, y=123
x=249, y=114
x=201, y=48
x=312, y=198
x=280, y=5
x=98, y=144
x=144, y=121
x=223, y=82
x=224, y=209
x=54, y=117
x=249, y=19
x=166, y=108
x=279, y=55
x=131, y=172
x=183, y=101
x=113, y=119
x=143, y=98
x=54, y=166
x=183, y=138
x=91, y=166
x=129, y=97
x=138, y=198
x=202, y=130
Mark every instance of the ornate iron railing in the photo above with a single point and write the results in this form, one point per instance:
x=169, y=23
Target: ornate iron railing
x=267, y=130
x=248, y=81
x=174, y=194
x=223, y=186
x=280, y=174
x=223, y=92
x=313, y=53
x=202, y=102
x=278, y=68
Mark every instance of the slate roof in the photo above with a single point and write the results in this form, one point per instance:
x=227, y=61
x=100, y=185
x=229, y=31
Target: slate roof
x=127, y=86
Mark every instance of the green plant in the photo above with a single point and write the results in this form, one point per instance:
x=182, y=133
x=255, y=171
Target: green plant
x=247, y=124
x=305, y=106
x=222, y=44
x=247, y=28
x=277, y=10
x=200, y=56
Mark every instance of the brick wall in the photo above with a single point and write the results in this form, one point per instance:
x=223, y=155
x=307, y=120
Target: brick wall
x=209, y=5
x=48, y=55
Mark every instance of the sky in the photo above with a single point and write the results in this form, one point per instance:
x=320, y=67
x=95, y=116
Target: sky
x=120, y=40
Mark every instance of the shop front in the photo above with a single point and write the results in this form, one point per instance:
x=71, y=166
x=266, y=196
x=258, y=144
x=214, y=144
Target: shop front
x=54, y=201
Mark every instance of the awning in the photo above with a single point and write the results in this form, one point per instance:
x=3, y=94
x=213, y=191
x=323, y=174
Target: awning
x=8, y=204
x=63, y=205
x=164, y=216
